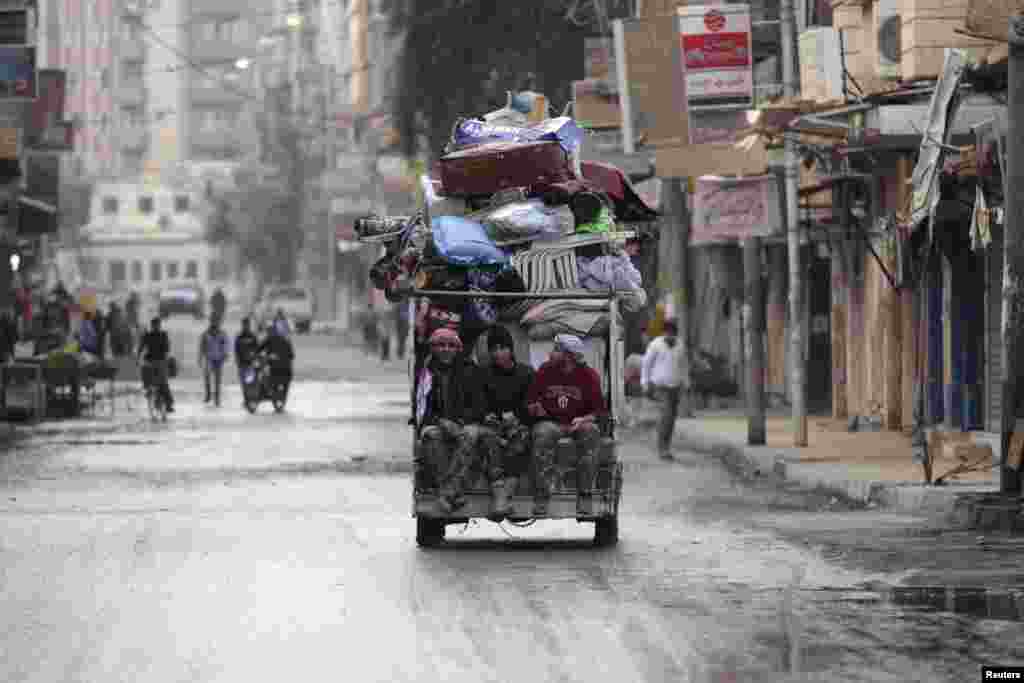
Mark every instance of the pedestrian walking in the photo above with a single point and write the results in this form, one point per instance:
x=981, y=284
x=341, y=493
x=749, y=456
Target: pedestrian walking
x=213, y=350
x=218, y=304
x=661, y=379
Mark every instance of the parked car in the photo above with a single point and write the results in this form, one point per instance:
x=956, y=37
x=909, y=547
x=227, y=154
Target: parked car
x=295, y=301
x=188, y=300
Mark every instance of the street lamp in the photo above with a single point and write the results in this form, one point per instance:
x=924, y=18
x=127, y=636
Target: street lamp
x=15, y=262
x=242, y=63
x=293, y=20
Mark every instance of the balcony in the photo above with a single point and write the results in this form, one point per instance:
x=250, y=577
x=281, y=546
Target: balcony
x=132, y=93
x=133, y=138
x=212, y=96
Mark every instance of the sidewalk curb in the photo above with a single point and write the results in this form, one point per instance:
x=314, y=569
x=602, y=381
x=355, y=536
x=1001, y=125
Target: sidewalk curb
x=962, y=505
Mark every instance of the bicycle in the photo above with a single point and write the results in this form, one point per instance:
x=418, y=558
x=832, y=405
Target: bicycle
x=154, y=375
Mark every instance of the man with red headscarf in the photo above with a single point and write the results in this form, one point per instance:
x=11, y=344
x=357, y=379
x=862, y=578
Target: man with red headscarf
x=449, y=412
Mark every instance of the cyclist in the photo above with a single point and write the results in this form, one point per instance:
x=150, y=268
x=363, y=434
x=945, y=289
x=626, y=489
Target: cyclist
x=156, y=346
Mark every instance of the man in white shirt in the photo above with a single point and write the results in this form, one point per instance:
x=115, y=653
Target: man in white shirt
x=661, y=378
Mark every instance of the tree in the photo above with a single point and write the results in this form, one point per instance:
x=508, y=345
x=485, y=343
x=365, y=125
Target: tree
x=460, y=58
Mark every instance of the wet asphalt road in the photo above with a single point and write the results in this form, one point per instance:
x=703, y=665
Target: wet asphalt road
x=230, y=547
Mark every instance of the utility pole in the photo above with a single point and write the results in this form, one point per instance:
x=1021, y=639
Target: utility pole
x=753, y=328
x=1013, y=252
x=675, y=231
x=330, y=159
x=798, y=378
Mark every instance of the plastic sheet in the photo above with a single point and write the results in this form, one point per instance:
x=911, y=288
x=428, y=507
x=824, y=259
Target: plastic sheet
x=526, y=221
x=562, y=130
x=465, y=242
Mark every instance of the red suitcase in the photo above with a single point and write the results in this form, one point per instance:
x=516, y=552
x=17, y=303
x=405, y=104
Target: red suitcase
x=489, y=168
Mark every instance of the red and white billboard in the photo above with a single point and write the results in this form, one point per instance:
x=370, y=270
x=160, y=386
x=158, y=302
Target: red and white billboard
x=717, y=52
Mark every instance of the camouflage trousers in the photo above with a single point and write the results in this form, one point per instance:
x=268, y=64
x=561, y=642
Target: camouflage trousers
x=586, y=441
x=506, y=451
x=452, y=458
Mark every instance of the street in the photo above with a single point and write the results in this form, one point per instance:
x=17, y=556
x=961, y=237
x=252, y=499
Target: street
x=224, y=546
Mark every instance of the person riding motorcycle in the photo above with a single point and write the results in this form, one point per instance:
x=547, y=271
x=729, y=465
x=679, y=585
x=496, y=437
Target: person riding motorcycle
x=279, y=354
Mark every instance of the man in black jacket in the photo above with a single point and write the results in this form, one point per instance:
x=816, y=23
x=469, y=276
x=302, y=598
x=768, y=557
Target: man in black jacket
x=506, y=441
x=449, y=407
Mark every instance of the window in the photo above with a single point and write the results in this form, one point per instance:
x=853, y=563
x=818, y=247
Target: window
x=181, y=203
x=118, y=272
x=191, y=270
x=110, y=206
x=155, y=272
x=172, y=270
x=136, y=271
x=146, y=204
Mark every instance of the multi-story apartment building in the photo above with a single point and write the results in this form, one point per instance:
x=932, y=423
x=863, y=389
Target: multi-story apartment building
x=146, y=238
x=80, y=36
x=154, y=83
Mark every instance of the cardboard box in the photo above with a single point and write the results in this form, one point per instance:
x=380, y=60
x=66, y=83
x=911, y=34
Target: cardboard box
x=657, y=8
x=848, y=16
x=710, y=159
x=934, y=9
x=594, y=110
x=991, y=17
x=926, y=62
x=937, y=33
x=653, y=66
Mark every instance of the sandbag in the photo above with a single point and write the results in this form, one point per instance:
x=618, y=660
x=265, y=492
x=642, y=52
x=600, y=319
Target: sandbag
x=464, y=242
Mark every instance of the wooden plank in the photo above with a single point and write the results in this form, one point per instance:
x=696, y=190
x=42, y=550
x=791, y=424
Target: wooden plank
x=840, y=330
x=893, y=342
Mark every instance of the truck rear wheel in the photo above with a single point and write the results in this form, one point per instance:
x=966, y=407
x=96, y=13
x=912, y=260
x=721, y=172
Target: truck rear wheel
x=606, y=531
x=429, y=532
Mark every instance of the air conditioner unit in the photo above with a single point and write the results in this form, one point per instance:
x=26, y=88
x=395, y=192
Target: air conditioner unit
x=889, y=25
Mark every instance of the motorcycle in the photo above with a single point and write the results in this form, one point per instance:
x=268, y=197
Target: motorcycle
x=259, y=385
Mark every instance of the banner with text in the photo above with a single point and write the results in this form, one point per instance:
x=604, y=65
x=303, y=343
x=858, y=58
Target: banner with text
x=717, y=53
x=727, y=210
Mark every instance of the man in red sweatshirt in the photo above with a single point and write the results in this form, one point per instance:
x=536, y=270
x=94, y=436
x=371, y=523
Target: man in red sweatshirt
x=565, y=398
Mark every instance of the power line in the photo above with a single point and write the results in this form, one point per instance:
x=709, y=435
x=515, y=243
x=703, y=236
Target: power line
x=214, y=17
x=191, y=64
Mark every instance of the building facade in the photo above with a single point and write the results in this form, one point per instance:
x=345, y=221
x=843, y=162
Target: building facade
x=146, y=238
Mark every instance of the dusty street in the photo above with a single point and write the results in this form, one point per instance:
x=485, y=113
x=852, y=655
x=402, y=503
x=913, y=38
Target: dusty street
x=225, y=546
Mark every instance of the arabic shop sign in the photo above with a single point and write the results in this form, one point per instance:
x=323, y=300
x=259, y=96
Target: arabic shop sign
x=727, y=210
